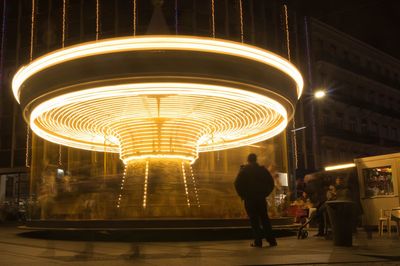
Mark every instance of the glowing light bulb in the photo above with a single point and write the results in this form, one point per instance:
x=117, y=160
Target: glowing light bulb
x=320, y=94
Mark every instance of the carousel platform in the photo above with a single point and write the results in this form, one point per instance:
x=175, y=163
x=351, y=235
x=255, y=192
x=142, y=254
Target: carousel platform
x=151, y=229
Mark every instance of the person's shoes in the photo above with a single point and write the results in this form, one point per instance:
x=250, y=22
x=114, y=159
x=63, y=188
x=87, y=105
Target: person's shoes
x=256, y=244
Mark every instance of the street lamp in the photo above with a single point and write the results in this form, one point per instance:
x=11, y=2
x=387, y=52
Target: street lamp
x=319, y=94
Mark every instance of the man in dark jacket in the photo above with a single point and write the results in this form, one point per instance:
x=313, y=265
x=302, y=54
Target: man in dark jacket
x=253, y=184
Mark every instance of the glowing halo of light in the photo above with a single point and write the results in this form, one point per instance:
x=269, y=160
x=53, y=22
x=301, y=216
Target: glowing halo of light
x=258, y=118
x=146, y=43
x=158, y=96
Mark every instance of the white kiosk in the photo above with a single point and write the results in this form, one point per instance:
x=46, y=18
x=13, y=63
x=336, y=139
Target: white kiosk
x=379, y=186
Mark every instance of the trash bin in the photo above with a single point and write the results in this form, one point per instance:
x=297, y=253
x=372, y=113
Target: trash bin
x=341, y=216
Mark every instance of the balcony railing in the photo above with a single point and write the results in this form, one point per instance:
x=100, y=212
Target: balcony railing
x=346, y=64
x=333, y=130
x=340, y=96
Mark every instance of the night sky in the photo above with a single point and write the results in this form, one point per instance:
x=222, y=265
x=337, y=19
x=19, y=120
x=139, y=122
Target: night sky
x=376, y=22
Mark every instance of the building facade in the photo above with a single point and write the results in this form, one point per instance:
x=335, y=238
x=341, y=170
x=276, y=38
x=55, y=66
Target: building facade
x=360, y=114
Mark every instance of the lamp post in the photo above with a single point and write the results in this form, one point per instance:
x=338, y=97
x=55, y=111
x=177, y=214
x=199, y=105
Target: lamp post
x=294, y=159
x=317, y=95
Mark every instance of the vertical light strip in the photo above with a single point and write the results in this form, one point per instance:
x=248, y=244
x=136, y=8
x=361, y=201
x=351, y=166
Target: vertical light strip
x=3, y=36
x=176, y=17
x=213, y=18
x=241, y=21
x=97, y=19
x=295, y=157
x=287, y=30
x=134, y=18
x=105, y=157
x=185, y=183
x=30, y=59
x=64, y=10
x=146, y=178
x=63, y=23
x=32, y=29
x=59, y=155
x=121, y=188
x=27, y=145
x=195, y=186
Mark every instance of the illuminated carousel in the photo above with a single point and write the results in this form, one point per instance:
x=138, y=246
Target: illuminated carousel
x=158, y=101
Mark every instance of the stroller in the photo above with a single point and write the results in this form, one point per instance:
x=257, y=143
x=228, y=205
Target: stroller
x=302, y=232
x=301, y=216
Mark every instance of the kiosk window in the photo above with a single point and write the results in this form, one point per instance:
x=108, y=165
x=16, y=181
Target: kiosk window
x=378, y=181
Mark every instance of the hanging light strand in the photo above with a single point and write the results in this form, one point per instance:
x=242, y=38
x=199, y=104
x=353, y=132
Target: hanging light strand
x=97, y=19
x=27, y=163
x=64, y=11
x=195, y=187
x=146, y=177
x=27, y=146
x=241, y=21
x=295, y=157
x=3, y=36
x=121, y=188
x=185, y=184
x=105, y=157
x=213, y=18
x=59, y=155
x=134, y=17
x=287, y=31
x=176, y=17
x=32, y=29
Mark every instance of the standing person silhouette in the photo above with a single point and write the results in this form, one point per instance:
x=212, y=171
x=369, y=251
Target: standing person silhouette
x=253, y=184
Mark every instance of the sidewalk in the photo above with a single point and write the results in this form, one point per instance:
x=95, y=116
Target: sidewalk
x=18, y=250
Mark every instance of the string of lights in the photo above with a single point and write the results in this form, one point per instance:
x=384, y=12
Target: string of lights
x=33, y=14
x=32, y=29
x=185, y=184
x=146, y=180
x=3, y=36
x=59, y=155
x=241, y=21
x=97, y=19
x=176, y=17
x=134, y=17
x=121, y=188
x=212, y=18
x=287, y=31
x=64, y=11
x=194, y=186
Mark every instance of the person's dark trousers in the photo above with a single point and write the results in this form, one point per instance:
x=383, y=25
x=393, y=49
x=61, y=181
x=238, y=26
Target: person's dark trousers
x=257, y=211
x=320, y=218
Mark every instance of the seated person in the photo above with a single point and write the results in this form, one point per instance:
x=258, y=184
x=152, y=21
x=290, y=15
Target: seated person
x=342, y=192
x=321, y=213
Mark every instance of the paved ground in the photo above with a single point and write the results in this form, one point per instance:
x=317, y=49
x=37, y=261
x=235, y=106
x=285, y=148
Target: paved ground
x=19, y=250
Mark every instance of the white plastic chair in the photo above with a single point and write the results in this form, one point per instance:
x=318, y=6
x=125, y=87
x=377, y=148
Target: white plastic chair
x=384, y=220
x=395, y=217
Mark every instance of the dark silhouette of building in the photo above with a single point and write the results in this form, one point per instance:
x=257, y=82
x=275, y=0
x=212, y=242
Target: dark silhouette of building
x=360, y=114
